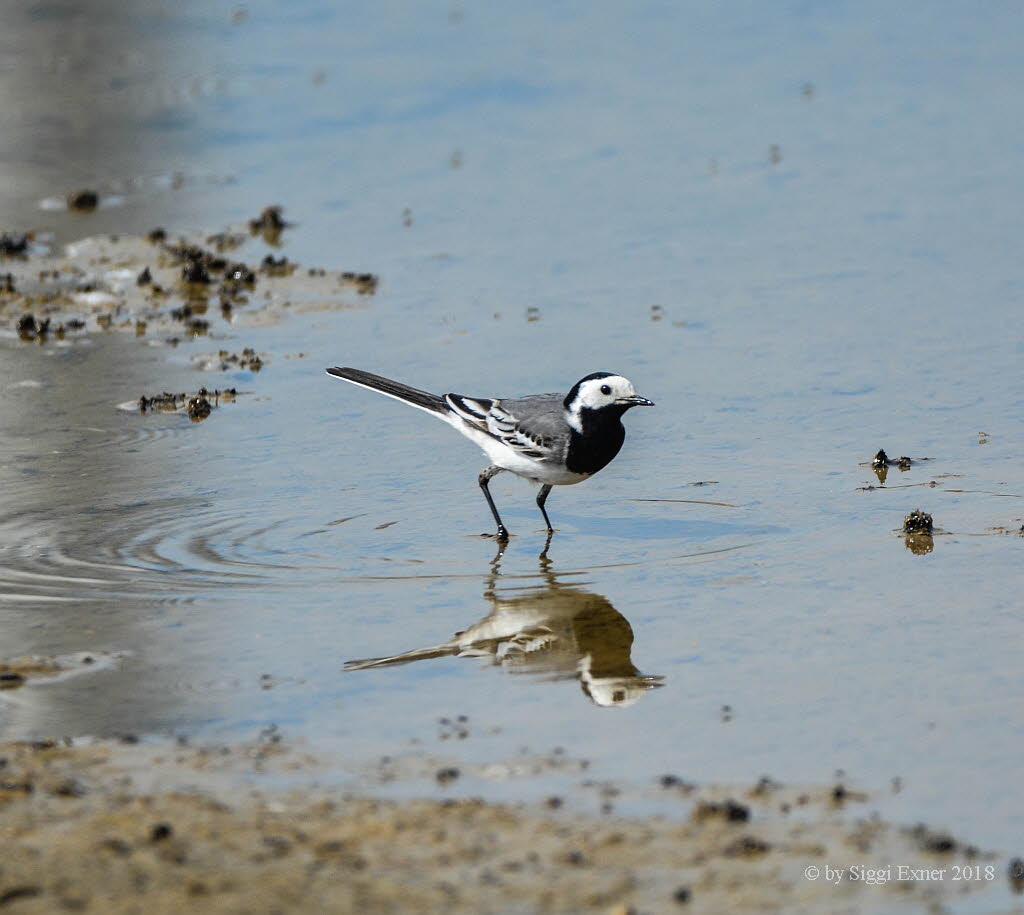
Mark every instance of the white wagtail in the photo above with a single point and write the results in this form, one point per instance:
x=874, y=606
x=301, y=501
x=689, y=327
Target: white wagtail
x=551, y=439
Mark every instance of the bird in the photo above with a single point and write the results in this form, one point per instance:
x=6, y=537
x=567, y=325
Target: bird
x=550, y=439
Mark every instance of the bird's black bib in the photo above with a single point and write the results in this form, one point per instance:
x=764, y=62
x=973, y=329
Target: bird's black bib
x=601, y=439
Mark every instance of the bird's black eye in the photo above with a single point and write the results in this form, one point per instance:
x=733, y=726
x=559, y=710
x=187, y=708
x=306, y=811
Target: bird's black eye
x=605, y=389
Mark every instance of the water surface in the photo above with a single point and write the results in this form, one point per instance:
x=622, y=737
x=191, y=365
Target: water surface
x=795, y=231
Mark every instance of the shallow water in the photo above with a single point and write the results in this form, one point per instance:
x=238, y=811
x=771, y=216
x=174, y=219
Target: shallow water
x=587, y=189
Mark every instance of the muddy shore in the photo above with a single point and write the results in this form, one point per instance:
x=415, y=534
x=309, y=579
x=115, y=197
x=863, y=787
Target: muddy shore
x=121, y=827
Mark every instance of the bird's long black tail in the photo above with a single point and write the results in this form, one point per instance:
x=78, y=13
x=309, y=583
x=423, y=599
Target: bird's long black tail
x=413, y=396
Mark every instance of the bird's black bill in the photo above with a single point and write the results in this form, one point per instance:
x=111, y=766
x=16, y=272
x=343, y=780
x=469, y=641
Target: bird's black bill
x=635, y=401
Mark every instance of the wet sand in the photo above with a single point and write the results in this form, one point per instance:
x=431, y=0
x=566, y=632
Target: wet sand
x=124, y=827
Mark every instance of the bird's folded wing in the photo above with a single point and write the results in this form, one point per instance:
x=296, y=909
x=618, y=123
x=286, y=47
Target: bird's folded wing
x=531, y=426
x=473, y=410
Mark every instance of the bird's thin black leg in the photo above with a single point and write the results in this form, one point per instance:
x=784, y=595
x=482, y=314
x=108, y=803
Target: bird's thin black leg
x=542, y=497
x=485, y=477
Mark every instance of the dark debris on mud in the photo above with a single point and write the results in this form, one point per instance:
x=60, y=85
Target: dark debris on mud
x=917, y=522
x=224, y=360
x=881, y=463
x=917, y=530
x=83, y=201
x=123, y=826
x=196, y=406
x=269, y=225
x=174, y=289
x=15, y=244
x=881, y=459
x=159, y=284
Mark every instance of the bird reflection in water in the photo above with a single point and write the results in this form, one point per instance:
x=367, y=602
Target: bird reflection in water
x=552, y=630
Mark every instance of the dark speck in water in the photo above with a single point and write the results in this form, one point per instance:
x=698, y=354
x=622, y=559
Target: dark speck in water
x=83, y=201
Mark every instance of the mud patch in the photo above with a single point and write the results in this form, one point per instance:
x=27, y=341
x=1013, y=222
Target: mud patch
x=881, y=463
x=155, y=286
x=247, y=360
x=18, y=672
x=81, y=833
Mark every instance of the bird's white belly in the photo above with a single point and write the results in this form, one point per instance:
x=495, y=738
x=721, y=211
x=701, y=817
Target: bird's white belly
x=550, y=472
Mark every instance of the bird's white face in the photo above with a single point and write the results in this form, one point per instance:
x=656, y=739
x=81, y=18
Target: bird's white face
x=596, y=393
x=601, y=391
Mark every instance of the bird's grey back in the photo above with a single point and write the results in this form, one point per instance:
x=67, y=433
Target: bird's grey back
x=540, y=415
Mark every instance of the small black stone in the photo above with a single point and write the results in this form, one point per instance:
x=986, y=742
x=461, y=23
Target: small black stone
x=19, y=892
x=270, y=219
x=276, y=266
x=198, y=408
x=917, y=522
x=83, y=201
x=444, y=776
x=728, y=810
x=941, y=843
x=14, y=245
x=746, y=847
x=11, y=680
x=934, y=842
x=1016, y=875
x=736, y=813
x=195, y=272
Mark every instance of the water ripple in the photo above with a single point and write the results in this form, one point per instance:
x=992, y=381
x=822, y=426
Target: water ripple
x=165, y=548
x=173, y=549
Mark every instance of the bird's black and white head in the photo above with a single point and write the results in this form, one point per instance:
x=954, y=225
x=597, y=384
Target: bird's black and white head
x=601, y=395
